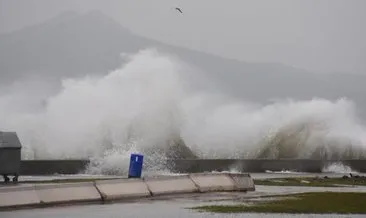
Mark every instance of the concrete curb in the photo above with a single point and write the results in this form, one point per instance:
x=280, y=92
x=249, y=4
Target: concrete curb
x=242, y=182
x=15, y=196
x=213, y=182
x=119, y=189
x=19, y=196
x=67, y=193
x=170, y=185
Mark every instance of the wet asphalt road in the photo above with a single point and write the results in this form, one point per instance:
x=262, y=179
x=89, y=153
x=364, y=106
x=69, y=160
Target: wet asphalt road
x=159, y=209
x=177, y=206
x=174, y=206
x=166, y=207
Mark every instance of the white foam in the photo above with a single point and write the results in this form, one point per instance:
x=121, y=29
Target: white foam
x=151, y=99
x=338, y=168
x=283, y=172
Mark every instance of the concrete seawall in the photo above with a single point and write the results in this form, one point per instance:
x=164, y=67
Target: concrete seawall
x=242, y=165
x=19, y=196
x=47, y=167
x=260, y=165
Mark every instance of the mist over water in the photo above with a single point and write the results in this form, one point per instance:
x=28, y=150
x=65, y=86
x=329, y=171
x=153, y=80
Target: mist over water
x=154, y=99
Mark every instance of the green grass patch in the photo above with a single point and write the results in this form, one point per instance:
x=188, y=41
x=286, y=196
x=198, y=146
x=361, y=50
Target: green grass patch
x=308, y=181
x=317, y=203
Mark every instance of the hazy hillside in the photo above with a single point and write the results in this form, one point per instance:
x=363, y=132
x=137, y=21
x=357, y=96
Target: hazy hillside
x=72, y=44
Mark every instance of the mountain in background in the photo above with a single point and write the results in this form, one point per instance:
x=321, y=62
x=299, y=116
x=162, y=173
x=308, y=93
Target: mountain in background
x=72, y=45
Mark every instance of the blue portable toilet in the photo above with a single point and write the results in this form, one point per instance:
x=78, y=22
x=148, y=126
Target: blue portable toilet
x=136, y=161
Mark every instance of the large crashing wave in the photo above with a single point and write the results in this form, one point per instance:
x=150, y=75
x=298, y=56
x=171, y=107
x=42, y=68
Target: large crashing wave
x=150, y=106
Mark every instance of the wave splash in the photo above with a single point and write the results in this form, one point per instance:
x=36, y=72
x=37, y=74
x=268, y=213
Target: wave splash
x=151, y=106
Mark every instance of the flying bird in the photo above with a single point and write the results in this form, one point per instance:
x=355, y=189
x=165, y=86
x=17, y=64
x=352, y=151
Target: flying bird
x=180, y=10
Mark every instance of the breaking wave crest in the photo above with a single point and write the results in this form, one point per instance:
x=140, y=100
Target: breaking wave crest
x=156, y=105
x=338, y=168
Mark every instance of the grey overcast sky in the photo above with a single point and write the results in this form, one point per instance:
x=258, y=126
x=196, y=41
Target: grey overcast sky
x=318, y=35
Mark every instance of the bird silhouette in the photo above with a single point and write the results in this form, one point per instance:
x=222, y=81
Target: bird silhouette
x=180, y=10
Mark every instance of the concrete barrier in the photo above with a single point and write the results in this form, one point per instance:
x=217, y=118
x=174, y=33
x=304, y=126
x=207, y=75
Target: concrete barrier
x=207, y=182
x=49, y=167
x=260, y=165
x=242, y=181
x=67, y=193
x=19, y=195
x=170, y=185
x=117, y=189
